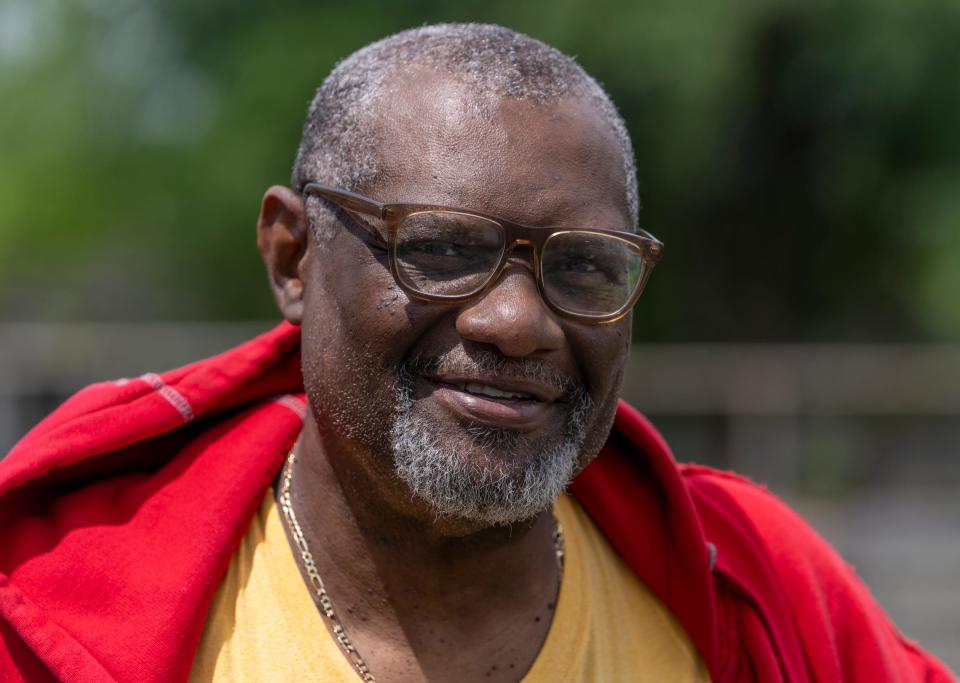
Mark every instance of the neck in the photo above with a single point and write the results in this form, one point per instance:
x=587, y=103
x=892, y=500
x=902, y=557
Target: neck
x=406, y=585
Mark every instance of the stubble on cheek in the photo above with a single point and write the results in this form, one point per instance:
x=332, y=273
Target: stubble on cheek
x=346, y=350
x=348, y=384
x=345, y=402
x=605, y=404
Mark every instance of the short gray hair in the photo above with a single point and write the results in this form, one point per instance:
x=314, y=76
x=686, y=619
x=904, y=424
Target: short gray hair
x=337, y=144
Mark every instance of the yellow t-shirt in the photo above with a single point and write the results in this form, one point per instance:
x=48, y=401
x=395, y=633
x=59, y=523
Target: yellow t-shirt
x=263, y=624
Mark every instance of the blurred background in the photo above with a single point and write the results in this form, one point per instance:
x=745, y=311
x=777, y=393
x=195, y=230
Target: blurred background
x=801, y=161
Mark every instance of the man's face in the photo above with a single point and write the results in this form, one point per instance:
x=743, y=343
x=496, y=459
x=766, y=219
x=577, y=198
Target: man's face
x=485, y=409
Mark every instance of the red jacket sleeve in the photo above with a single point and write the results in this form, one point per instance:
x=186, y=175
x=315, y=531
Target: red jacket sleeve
x=844, y=633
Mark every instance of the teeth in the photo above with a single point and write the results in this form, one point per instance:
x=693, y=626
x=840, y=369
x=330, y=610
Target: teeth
x=485, y=390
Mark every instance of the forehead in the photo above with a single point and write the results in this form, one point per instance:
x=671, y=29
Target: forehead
x=541, y=163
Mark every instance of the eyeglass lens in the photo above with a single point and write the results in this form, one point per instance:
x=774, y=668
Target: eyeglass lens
x=447, y=253
x=454, y=254
x=590, y=273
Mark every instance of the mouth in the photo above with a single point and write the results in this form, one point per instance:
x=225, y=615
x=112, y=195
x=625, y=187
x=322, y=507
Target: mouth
x=514, y=404
x=478, y=389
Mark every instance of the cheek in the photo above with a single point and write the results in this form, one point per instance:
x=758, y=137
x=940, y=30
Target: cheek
x=351, y=322
x=357, y=327
x=608, y=348
x=604, y=364
x=367, y=301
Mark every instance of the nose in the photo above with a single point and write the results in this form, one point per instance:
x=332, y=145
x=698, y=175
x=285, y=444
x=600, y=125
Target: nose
x=512, y=316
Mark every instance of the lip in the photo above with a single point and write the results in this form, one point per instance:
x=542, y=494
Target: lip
x=495, y=411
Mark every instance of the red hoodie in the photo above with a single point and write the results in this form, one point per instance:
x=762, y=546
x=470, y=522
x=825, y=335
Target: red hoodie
x=120, y=512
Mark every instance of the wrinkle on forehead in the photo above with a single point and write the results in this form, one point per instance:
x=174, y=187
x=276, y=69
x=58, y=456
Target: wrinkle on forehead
x=528, y=161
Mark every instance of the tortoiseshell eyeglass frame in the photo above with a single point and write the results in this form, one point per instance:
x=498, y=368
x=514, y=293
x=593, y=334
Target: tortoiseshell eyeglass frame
x=535, y=237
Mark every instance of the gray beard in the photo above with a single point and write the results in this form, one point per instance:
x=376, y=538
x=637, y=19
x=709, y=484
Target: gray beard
x=431, y=462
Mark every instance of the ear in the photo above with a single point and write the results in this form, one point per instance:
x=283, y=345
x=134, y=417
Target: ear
x=282, y=241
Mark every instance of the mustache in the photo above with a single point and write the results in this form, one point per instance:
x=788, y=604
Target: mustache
x=482, y=362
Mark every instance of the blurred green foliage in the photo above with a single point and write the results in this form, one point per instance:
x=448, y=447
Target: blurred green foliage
x=800, y=160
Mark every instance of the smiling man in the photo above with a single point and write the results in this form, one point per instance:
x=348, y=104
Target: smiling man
x=376, y=489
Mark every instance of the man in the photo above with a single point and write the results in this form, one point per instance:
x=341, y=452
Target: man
x=456, y=263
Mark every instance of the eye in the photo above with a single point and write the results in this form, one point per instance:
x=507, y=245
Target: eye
x=578, y=265
x=434, y=248
x=579, y=270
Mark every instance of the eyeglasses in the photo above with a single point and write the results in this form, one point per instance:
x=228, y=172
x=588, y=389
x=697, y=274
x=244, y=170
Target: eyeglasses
x=449, y=255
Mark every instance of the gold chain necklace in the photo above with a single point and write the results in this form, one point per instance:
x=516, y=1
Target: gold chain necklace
x=310, y=566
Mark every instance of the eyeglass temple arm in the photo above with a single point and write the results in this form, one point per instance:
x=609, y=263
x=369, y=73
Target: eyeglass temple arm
x=348, y=200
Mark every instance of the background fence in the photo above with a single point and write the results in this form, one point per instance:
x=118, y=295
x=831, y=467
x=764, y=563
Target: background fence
x=861, y=439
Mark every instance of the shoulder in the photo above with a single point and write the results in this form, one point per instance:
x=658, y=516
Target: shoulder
x=763, y=546
x=724, y=492
x=750, y=524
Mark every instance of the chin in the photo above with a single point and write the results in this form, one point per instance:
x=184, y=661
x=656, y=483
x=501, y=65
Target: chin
x=481, y=473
